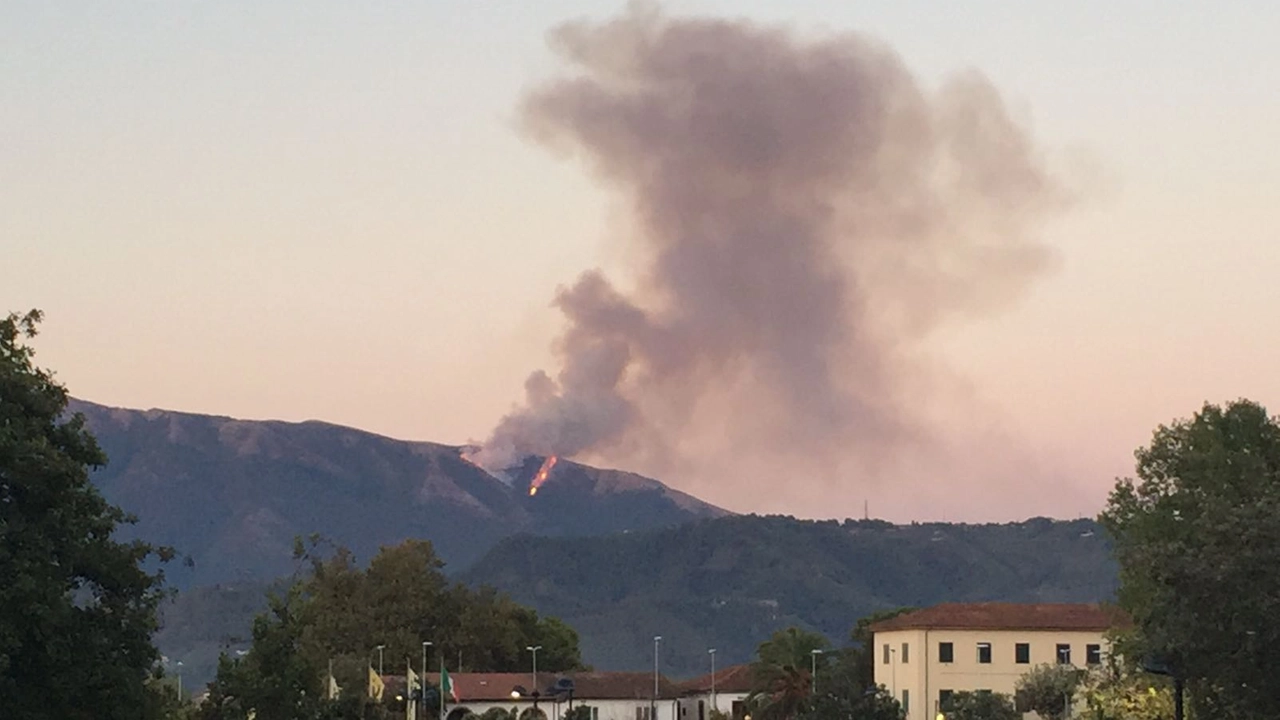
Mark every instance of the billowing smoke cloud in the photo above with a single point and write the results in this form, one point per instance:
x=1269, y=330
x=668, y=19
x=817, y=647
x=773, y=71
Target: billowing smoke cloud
x=804, y=212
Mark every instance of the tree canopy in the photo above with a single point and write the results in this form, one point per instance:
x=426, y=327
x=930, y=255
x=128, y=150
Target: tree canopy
x=337, y=614
x=783, y=673
x=77, y=607
x=1048, y=690
x=1196, y=536
x=980, y=706
x=786, y=686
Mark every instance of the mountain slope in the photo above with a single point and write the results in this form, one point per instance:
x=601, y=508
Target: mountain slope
x=233, y=494
x=729, y=583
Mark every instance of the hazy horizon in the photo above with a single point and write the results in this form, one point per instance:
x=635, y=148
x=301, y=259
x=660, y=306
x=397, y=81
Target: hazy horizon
x=319, y=211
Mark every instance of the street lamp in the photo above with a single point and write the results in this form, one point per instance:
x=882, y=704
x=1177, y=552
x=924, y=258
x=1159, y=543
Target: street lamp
x=712, y=653
x=379, y=649
x=813, y=671
x=534, y=649
x=653, y=704
x=179, y=681
x=518, y=692
x=422, y=681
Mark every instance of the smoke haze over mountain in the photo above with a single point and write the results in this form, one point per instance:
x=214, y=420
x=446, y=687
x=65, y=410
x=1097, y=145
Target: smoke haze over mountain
x=804, y=213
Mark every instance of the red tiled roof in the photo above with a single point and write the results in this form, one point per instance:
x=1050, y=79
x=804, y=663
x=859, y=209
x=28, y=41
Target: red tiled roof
x=1007, y=616
x=733, y=679
x=476, y=687
x=619, y=686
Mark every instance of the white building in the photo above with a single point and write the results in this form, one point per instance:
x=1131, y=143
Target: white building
x=924, y=656
x=611, y=695
x=725, y=690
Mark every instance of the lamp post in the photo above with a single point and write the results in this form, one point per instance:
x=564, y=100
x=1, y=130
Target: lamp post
x=813, y=671
x=712, y=653
x=534, y=649
x=379, y=649
x=422, y=680
x=653, y=704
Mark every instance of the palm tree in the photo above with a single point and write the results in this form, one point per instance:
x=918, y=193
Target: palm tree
x=783, y=678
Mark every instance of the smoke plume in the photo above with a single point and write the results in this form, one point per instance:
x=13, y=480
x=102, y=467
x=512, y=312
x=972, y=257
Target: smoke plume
x=804, y=212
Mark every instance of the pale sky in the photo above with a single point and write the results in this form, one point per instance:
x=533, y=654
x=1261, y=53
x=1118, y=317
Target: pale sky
x=325, y=210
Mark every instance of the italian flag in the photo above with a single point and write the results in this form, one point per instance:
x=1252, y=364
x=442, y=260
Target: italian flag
x=446, y=685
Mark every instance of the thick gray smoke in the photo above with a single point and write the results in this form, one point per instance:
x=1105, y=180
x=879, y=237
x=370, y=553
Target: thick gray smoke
x=804, y=213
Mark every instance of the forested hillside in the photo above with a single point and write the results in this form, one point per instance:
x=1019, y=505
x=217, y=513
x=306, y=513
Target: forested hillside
x=729, y=583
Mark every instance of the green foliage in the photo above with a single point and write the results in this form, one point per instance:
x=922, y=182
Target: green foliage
x=876, y=704
x=77, y=608
x=1119, y=693
x=1196, y=536
x=403, y=599
x=338, y=613
x=497, y=713
x=276, y=679
x=1047, y=690
x=782, y=673
x=579, y=712
x=980, y=706
x=731, y=582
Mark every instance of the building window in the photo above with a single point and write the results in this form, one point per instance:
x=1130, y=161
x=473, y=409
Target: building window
x=1093, y=654
x=906, y=702
x=595, y=713
x=1022, y=653
x=944, y=700
x=1064, y=654
x=984, y=653
x=886, y=653
x=906, y=653
x=946, y=653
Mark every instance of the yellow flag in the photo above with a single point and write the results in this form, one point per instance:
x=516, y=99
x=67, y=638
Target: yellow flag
x=410, y=687
x=376, y=685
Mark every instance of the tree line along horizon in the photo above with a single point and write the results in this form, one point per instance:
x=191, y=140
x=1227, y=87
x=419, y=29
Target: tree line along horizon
x=1195, y=533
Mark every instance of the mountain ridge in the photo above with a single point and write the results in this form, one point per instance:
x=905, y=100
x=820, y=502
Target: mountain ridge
x=233, y=494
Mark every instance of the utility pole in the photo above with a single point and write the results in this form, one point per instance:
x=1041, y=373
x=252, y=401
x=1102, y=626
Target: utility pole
x=534, y=649
x=422, y=681
x=653, y=704
x=379, y=649
x=712, y=653
x=813, y=671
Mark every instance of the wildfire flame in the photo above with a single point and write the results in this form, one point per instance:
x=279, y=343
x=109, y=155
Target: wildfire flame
x=468, y=454
x=543, y=472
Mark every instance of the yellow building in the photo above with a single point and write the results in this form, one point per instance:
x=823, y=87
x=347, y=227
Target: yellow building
x=923, y=656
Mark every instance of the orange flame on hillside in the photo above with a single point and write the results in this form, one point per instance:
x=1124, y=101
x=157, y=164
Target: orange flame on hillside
x=543, y=472
x=468, y=454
